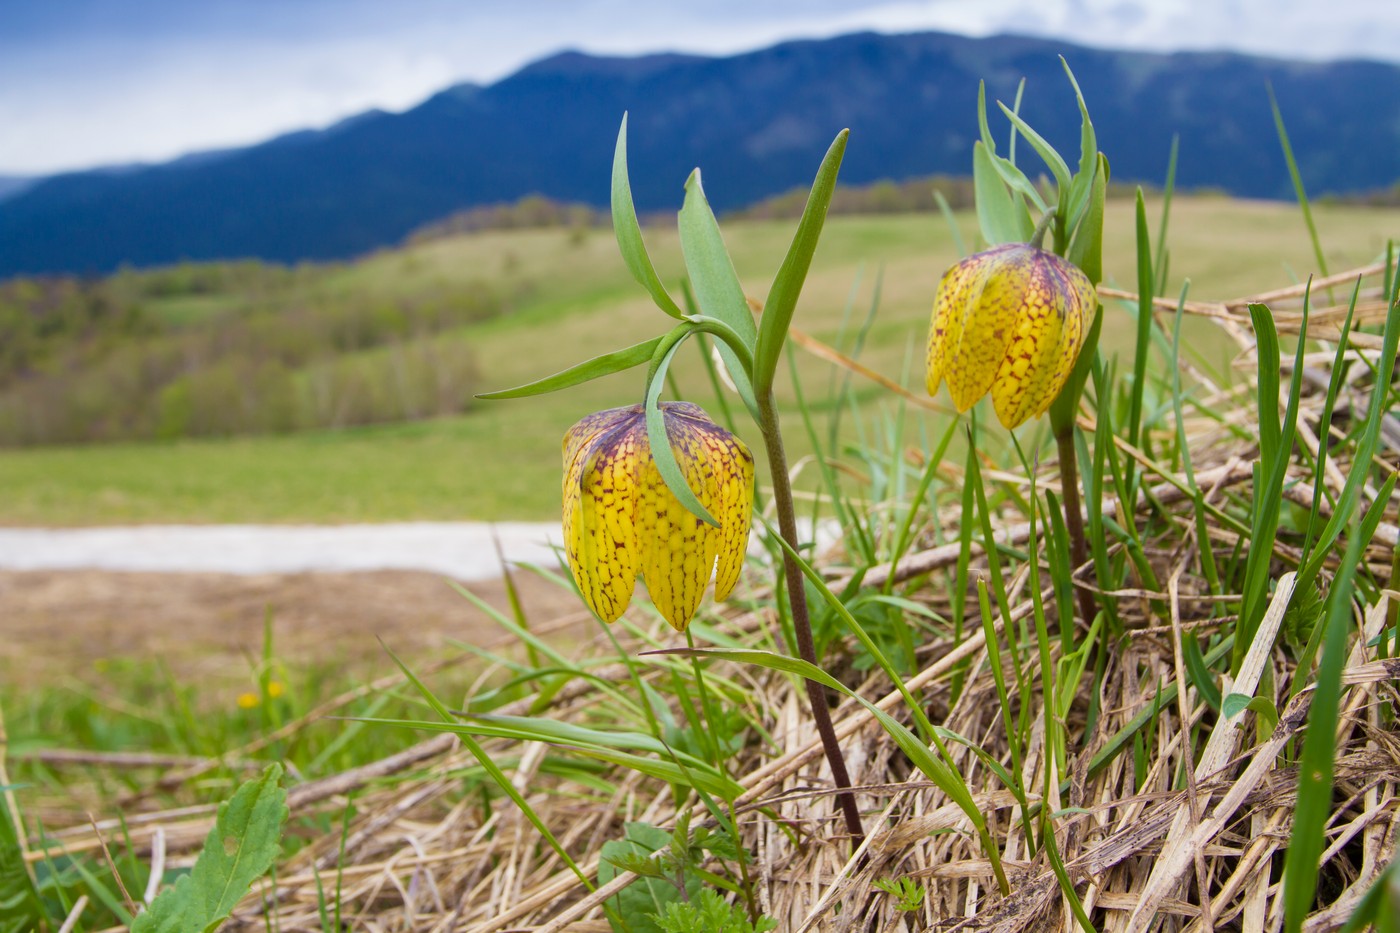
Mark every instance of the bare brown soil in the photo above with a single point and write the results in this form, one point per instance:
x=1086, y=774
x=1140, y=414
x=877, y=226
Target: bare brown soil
x=57, y=623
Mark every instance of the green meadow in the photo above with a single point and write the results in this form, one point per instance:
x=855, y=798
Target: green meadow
x=569, y=298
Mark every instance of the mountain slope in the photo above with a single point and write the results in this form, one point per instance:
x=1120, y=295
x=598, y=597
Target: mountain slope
x=756, y=123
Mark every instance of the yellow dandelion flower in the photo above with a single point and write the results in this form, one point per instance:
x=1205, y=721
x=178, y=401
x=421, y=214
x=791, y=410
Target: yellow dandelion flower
x=621, y=521
x=248, y=701
x=1009, y=320
x=275, y=689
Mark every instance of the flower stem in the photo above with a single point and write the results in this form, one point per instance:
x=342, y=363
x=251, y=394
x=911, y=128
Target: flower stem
x=1074, y=519
x=801, y=622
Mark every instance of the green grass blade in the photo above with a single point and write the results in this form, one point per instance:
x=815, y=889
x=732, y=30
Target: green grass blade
x=1144, y=328
x=1298, y=188
x=1315, y=771
x=20, y=904
x=1159, y=274
x=1365, y=451
x=939, y=772
x=493, y=770
x=787, y=285
x=629, y=232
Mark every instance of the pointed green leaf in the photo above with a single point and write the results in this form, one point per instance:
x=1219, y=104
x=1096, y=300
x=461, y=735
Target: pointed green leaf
x=629, y=232
x=716, y=285
x=787, y=285
x=1088, y=144
x=1047, y=152
x=1086, y=251
x=661, y=452
x=1014, y=178
x=1001, y=219
x=1318, y=760
x=238, y=851
x=599, y=366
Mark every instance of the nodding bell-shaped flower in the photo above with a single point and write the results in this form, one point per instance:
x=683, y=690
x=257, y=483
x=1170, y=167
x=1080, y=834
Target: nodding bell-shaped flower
x=621, y=520
x=1009, y=320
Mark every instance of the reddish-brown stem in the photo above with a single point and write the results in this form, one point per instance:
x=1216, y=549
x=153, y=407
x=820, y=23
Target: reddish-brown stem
x=801, y=622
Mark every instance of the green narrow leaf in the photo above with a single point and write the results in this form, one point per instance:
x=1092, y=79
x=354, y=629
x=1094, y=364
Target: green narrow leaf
x=629, y=232
x=1365, y=449
x=1160, y=268
x=661, y=452
x=599, y=366
x=1198, y=672
x=1014, y=178
x=238, y=851
x=787, y=285
x=1275, y=450
x=1144, y=324
x=1086, y=250
x=1047, y=152
x=1016, y=107
x=1088, y=142
x=1298, y=188
x=21, y=909
x=1001, y=220
x=1315, y=767
x=716, y=285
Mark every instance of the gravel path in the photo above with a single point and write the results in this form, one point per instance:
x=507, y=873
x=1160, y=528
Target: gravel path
x=462, y=550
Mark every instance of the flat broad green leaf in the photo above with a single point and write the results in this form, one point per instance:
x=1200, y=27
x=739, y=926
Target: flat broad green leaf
x=787, y=285
x=1002, y=220
x=238, y=851
x=639, y=902
x=657, y=437
x=599, y=366
x=716, y=285
x=629, y=232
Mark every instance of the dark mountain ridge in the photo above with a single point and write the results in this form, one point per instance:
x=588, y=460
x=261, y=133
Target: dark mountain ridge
x=756, y=123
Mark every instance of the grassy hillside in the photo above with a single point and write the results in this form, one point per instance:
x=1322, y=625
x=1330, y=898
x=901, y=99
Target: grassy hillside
x=561, y=296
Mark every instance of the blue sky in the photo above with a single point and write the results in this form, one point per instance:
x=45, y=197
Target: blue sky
x=92, y=82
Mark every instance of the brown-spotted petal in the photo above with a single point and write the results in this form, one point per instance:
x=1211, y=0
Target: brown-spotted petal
x=730, y=468
x=1049, y=330
x=601, y=492
x=974, y=316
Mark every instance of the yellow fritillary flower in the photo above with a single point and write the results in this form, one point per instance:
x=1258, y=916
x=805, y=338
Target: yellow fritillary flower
x=1009, y=320
x=620, y=519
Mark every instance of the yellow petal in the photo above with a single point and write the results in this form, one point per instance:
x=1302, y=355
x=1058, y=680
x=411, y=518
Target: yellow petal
x=730, y=469
x=974, y=316
x=677, y=549
x=600, y=501
x=1049, y=332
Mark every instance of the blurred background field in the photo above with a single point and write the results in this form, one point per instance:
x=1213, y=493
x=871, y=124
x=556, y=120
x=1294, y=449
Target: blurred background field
x=343, y=392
